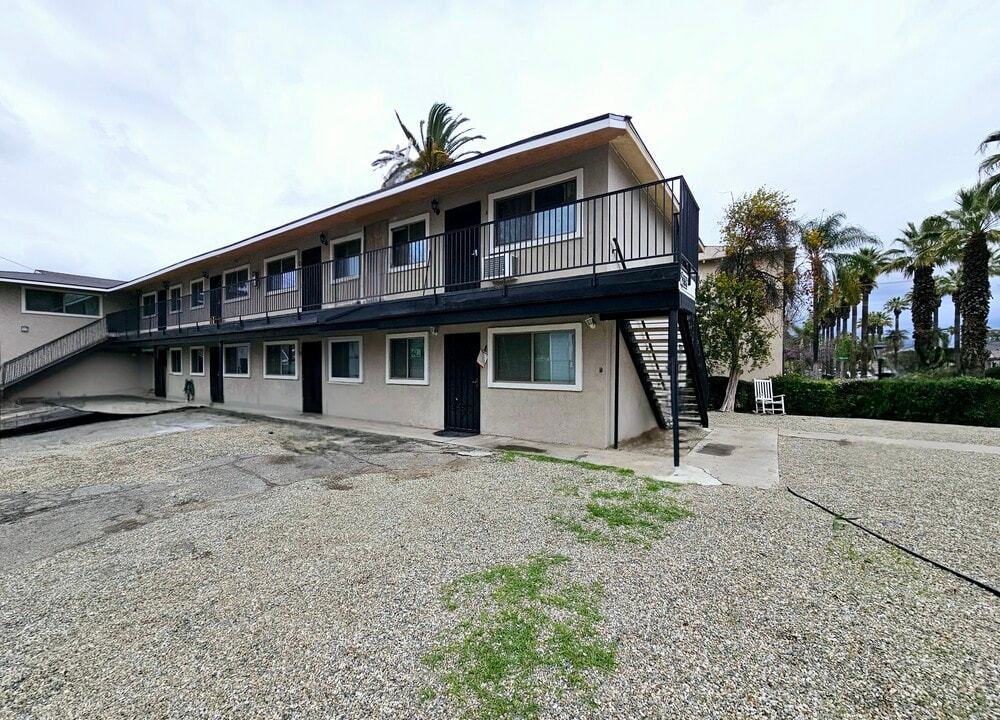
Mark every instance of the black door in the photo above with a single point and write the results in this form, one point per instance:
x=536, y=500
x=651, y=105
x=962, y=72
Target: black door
x=461, y=243
x=461, y=382
x=312, y=279
x=312, y=377
x=160, y=372
x=215, y=297
x=161, y=310
x=215, y=373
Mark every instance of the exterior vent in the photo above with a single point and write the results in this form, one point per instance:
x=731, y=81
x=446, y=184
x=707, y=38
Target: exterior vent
x=499, y=267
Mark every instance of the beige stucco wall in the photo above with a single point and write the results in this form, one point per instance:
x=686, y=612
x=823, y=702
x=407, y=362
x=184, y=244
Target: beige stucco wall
x=583, y=417
x=42, y=328
x=98, y=373
x=774, y=366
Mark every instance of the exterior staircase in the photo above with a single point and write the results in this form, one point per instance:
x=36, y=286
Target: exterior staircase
x=45, y=357
x=648, y=342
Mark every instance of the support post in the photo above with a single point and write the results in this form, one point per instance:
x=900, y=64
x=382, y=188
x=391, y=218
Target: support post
x=618, y=342
x=674, y=387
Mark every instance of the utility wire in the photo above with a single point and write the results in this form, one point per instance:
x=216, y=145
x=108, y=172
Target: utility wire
x=956, y=573
x=15, y=262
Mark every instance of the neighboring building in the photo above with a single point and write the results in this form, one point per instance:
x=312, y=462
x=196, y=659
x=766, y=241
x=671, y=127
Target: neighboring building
x=993, y=354
x=710, y=259
x=564, y=263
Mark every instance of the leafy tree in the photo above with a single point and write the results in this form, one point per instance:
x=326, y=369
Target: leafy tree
x=972, y=227
x=878, y=321
x=919, y=251
x=822, y=240
x=441, y=137
x=734, y=305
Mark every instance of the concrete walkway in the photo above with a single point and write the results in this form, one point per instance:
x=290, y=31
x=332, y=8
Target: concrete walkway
x=904, y=442
x=727, y=456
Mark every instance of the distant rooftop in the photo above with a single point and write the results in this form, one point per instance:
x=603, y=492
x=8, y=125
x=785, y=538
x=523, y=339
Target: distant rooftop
x=58, y=279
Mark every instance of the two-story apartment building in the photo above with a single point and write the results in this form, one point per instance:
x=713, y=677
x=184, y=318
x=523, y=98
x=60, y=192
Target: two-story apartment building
x=543, y=290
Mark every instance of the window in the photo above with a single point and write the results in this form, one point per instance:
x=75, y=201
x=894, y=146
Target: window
x=237, y=284
x=175, y=361
x=347, y=259
x=236, y=361
x=280, y=360
x=542, y=357
x=175, y=299
x=149, y=305
x=409, y=243
x=406, y=359
x=197, y=361
x=280, y=272
x=197, y=294
x=345, y=360
x=61, y=302
x=542, y=211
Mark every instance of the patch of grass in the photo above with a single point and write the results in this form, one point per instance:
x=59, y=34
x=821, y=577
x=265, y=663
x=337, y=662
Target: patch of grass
x=512, y=455
x=535, y=634
x=635, y=515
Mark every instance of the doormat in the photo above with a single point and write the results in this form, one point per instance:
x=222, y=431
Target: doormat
x=455, y=433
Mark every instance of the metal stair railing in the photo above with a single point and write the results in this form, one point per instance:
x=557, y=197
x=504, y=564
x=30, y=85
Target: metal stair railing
x=691, y=336
x=34, y=361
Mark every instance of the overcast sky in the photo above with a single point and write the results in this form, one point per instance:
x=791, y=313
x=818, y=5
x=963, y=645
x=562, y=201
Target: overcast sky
x=136, y=134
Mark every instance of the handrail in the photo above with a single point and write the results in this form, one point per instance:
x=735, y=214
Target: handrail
x=20, y=367
x=653, y=223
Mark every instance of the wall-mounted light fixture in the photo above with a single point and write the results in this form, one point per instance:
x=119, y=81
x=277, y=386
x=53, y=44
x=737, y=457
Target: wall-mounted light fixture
x=591, y=323
x=255, y=276
x=166, y=284
x=204, y=274
x=436, y=206
x=434, y=330
x=323, y=239
x=24, y=328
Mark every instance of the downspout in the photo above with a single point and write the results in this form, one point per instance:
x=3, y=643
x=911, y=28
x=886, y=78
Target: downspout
x=618, y=340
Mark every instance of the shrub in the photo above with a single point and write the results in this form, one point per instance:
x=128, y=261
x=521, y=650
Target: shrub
x=959, y=400
x=993, y=372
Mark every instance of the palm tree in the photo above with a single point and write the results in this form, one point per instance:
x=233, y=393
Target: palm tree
x=438, y=146
x=878, y=321
x=973, y=226
x=868, y=263
x=822, y=240
x=896, y=338
x=918, y=253
x=951, y=284
x=896, y=306
x=990, y=167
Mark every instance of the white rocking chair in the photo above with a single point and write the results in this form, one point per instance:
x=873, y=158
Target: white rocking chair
x=767, y=402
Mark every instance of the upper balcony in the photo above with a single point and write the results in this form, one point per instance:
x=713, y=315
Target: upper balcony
x=589, y=241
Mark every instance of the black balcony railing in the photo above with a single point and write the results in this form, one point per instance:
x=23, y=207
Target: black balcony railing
x=650, y=224
x=24, y=366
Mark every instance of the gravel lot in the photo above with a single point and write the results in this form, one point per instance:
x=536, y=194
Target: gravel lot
x=201, y=565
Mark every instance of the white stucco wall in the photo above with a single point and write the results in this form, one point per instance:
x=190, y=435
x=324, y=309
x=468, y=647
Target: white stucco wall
x=97, y=373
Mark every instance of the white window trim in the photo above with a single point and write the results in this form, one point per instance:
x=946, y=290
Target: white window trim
x=578, y=343
x=204, y=360
x=142, y=305
x=225, y=285
x=361, y=361
x=361, y=260
x=547, y=239
x=264, y=360
x=426, y=217
x=26, y=311
x=170, y=364
x=204, y=293
x=249, y=360
x=282, y=256
x=388, y=359
x=180, y=299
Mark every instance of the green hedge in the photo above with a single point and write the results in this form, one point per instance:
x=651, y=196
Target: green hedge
x=993, y=372
x=960, y=400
